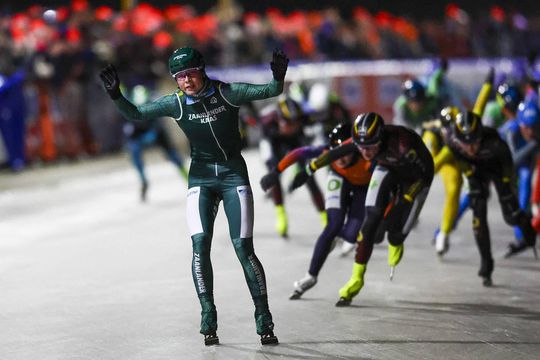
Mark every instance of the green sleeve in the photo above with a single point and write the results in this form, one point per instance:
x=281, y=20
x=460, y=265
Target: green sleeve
x=242, y=93
x=164, y=106
x=434, y=83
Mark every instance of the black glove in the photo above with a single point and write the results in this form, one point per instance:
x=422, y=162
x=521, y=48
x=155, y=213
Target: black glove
x=300, y=178
x=490, y=77
x=111, y=82
x=269, y=180
x=279, y=64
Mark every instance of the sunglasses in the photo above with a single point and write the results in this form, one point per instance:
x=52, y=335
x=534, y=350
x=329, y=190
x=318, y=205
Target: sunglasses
x=190, y=73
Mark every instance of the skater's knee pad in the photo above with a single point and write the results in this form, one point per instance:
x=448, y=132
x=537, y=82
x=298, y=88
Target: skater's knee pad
x=478, y=203
x=243, y=247
x=201, y=243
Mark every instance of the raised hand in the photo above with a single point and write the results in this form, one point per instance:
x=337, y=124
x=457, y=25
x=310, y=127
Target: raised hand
x=110, y=80
x=279, y=64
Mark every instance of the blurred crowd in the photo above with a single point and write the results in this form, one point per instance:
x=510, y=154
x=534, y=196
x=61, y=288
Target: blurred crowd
x=50, y=57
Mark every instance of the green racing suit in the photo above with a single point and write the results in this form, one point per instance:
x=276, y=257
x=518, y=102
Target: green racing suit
x=217, y=172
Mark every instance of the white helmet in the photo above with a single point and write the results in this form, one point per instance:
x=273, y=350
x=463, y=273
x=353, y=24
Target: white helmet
x=318, y=97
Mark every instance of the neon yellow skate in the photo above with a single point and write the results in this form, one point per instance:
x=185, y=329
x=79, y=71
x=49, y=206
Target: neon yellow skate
x=353, y=286
x=282, y=224
x=395, y=253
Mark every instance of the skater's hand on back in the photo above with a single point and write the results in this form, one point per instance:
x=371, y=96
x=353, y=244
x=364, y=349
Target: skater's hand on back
x=300, y=178
x=110, y=80
x=269, y=180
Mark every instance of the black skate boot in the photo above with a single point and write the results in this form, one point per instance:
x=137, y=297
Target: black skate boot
x=517, y=247
x=209, y=324
x=265, y=327
x=486, y=268
x=211, y=339
x=144, y=190
x=269, y=339
x=342, y=302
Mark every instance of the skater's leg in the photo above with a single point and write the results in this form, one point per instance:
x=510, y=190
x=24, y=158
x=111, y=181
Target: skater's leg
x=478, y=203
x=135, y=148
x=201, y=203
x=377, y=198
x=452, y=181
x=238, y=205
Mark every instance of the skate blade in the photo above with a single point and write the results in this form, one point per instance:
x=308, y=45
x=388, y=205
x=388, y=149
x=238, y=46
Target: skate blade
x=535, y=252
x=295, y=295
x=343, y=302
x=211, y=340
x=392, y=270
x=269, y=340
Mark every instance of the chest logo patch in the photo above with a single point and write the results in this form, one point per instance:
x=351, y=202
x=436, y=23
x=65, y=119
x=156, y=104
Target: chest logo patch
x=213, y=100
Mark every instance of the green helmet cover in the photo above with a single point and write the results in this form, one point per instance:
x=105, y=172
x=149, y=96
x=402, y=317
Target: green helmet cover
x=185, y=58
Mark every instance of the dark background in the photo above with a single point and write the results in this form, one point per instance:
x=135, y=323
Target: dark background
x=418, y=9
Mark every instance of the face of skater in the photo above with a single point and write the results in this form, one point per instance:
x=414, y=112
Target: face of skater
x=190, y=81
x=470, y=149
x=369, y=152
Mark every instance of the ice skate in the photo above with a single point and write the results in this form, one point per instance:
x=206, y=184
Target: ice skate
x=395, y=253
x=282, y=224
x=303, y=285
x=441, y=244
x=517, y=247
x=265, y=327
x=211, y=339
x=269, y=339
x=342, y=302
x=486, y=268
x=353, y=286
x=346, y=248
x=144, y=191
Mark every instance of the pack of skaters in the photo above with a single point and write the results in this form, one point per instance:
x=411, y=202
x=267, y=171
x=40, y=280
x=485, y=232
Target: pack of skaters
x=345, y=193
x=207, y=111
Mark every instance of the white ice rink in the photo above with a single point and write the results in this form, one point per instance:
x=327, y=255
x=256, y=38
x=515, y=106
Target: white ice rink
x=89, y=272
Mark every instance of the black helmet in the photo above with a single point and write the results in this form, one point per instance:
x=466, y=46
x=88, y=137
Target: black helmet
x=413, y=90
x=468, y=127
x=368, y=129
x=339, y=134
x=185, y=58
x=289, y=109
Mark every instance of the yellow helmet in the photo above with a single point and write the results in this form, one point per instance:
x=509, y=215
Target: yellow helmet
x=448, y=115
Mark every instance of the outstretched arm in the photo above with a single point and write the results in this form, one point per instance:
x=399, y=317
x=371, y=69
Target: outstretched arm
x=164, y=106
x=241, y=93
x=302, y=153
